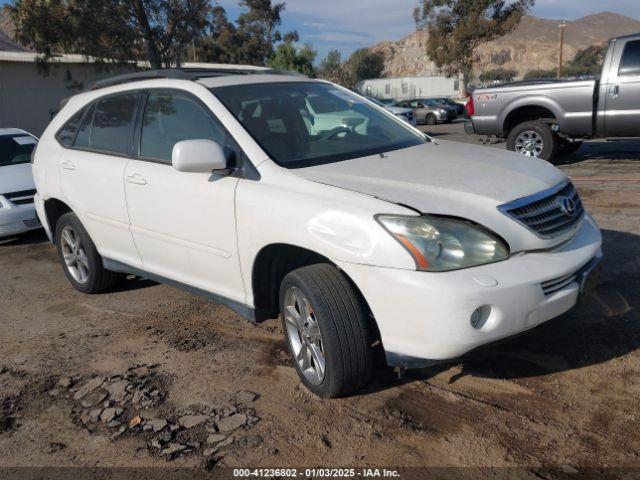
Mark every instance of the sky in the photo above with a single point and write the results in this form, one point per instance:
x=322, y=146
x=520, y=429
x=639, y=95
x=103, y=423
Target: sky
x=347, y=25
x=350, y=24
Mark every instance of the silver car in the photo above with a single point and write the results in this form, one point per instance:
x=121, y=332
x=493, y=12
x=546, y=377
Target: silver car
x=429, y=111
x=405, y=114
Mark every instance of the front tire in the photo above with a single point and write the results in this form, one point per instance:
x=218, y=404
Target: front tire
x=327, y=330
x=533, y=139
x=80, y=260
x=430, y=119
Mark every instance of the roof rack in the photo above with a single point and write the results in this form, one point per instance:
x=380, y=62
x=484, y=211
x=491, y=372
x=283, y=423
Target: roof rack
x=187, y=73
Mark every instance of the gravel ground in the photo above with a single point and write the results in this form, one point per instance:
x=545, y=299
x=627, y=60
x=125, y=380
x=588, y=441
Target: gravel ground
x=149, y=376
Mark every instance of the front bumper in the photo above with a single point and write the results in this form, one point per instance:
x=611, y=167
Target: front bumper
x=410, y=119
x=446, y=116
x=426, y=317
x=17, y=219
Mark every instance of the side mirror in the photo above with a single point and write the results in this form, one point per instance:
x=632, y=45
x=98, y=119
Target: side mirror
x=198, y=156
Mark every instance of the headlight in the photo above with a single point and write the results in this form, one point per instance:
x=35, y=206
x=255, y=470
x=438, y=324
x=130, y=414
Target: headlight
x=440, y=244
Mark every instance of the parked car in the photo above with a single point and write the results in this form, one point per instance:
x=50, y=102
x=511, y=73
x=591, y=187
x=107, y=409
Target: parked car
x=405, y=114
x=378, y=239
x=17, y=212
x=458, y=107
x=544, y=117
x=429, y=112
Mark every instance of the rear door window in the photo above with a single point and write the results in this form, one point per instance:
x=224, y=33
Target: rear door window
x=630, y=62
x=113, y=123
x=83, y=138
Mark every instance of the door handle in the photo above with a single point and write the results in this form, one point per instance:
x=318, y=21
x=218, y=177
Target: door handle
x=614, y=90
x=136, y=179
x=67, y=165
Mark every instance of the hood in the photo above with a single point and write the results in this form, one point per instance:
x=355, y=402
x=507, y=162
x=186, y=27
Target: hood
x=399, y=110
x=16, y=178
x=448, y=178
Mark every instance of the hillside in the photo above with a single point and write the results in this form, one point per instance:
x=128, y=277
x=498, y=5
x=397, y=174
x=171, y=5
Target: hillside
x=7, y=31
x=533, y=45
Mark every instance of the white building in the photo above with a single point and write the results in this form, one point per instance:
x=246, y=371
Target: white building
x=406, y=88
x=29, y=99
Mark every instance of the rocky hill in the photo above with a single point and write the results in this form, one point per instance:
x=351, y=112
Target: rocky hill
x=7, y=31
x=533, y=45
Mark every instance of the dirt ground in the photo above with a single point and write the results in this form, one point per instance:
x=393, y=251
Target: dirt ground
x=565, y=394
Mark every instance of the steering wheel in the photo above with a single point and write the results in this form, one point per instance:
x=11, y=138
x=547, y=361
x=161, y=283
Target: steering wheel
x=335, y=131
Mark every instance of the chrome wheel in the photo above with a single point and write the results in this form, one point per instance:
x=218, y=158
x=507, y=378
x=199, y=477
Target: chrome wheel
x=304, y=334
x=529, y=143
x=75, y=257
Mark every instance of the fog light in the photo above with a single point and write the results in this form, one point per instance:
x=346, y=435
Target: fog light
x=480, y=316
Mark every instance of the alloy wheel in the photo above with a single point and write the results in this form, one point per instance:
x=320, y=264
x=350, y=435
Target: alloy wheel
x=529, y=143
x=304, y=335
x=75, y=257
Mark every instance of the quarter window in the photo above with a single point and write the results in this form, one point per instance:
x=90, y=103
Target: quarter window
x=630, y=63
x=68, y=132
x=171, y=117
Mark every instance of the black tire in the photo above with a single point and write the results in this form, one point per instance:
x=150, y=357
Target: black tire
x=430, y=119
x=98, y=278
x=345, y=331
x=549, y=139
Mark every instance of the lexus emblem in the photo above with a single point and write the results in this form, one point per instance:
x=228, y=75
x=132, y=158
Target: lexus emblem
x=567, y=205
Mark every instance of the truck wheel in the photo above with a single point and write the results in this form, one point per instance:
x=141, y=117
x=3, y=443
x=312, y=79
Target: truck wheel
x=79, y=257
x=430, y=119
x=533, y=139
x=327, y=331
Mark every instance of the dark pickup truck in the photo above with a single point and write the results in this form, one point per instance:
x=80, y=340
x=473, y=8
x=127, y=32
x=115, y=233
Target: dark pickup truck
x=548, y=118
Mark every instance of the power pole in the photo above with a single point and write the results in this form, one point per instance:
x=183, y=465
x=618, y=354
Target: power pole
x=562, y=26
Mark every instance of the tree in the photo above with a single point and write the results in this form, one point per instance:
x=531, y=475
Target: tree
x=458, y=27
x=288, y=57
x=587, y=61
x=540, y=74
x=330, y=67
x=219, y=44
x=498, y=75
x=362, y=64
x=111, y=30
x=257, y=31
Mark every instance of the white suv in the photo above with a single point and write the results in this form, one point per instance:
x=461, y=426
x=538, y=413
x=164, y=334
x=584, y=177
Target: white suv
x=365, y=235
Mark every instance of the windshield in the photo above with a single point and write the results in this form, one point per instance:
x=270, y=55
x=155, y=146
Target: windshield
x=305, y=124
x=15, y=149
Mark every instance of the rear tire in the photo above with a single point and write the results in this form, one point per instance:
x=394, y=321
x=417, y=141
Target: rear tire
x=80, y=260
x=533, y=139
x=430, y=119
x=327, y=330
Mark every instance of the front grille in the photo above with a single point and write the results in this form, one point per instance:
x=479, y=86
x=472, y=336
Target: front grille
x=23, y=197
x=552, y=286
x=550, y=213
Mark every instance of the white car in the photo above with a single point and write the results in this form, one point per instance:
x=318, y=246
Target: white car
x=405, y=114
x=17, y=212
x=380, y=238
